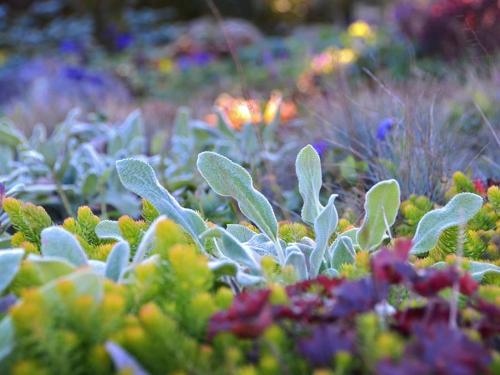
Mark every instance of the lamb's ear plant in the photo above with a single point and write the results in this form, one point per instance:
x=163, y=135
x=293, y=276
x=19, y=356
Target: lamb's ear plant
x=230, y=180
x=59, y=243
x=381, y=209
x=458, y=211
x=308, y=170
x=139, y=177
x=10, y=261
x=237, y=246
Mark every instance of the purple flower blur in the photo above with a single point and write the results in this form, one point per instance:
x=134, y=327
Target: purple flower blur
x=200, y=59
x=76, y=73
x=384, y=127
x=69, y=47
x=2, y=193
x=123, y=41
x=6, y=302
x=325, y=342
x=321, y=147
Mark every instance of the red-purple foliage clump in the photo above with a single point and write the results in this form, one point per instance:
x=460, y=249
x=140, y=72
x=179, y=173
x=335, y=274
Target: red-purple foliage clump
x=321, y=317
x=451, y=27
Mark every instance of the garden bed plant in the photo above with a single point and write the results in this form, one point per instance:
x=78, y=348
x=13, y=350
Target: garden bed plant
x=176, y=293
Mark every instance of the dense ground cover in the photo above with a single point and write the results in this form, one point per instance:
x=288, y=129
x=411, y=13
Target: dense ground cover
x=324, y=200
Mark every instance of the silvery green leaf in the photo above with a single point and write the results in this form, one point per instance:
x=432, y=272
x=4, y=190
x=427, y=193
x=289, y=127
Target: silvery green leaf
x=296, y=259
x=478, y=270
x=246, y=280
x=261, y=245
x=147, y=241
x=222, y=124
x=457, y=211
x=127, y=204
x=108, y=230
x=9, y=135
x=181, y=124
x=352, y=234
x=384, y=309
x=305, y=249
x=89, y=185
x=7, y=337
x=6, y=158
x=342, y=252
x=129, y=137
x=241, y=232
x=223, y=267
x=10, y=261
x=31, y=156
x=57, y=242
x=38, y=135
x=381, y=208
x=231, y=248
x=97, y=266
x=308, y=242
x=4, y=238
x=324, y=226
x=117, y=260
x=16, y=189
x=230, y=180
x=331, y=272
x=49, y=268
x=123, y=361
x=308, y=169
x=250, y=140
x=139, y=177
x=270, y=130
x=86, y=282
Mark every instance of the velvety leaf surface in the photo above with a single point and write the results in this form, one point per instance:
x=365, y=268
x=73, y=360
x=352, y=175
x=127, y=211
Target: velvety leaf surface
x=381, y=208
x=308, y=169
x=57, y=242
x=10, y=261
x=457, y=211
x=230, y=180
x=139, y=177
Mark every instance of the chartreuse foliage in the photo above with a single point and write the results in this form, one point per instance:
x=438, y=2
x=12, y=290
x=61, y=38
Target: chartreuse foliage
x=85, y=324
x=29, y=221
x=109, y=248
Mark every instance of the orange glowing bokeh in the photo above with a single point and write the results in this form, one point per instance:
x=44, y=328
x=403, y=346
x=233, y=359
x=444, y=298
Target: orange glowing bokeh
x=240, y=111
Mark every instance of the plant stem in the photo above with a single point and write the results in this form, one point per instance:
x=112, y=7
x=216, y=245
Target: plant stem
x=62, y=194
